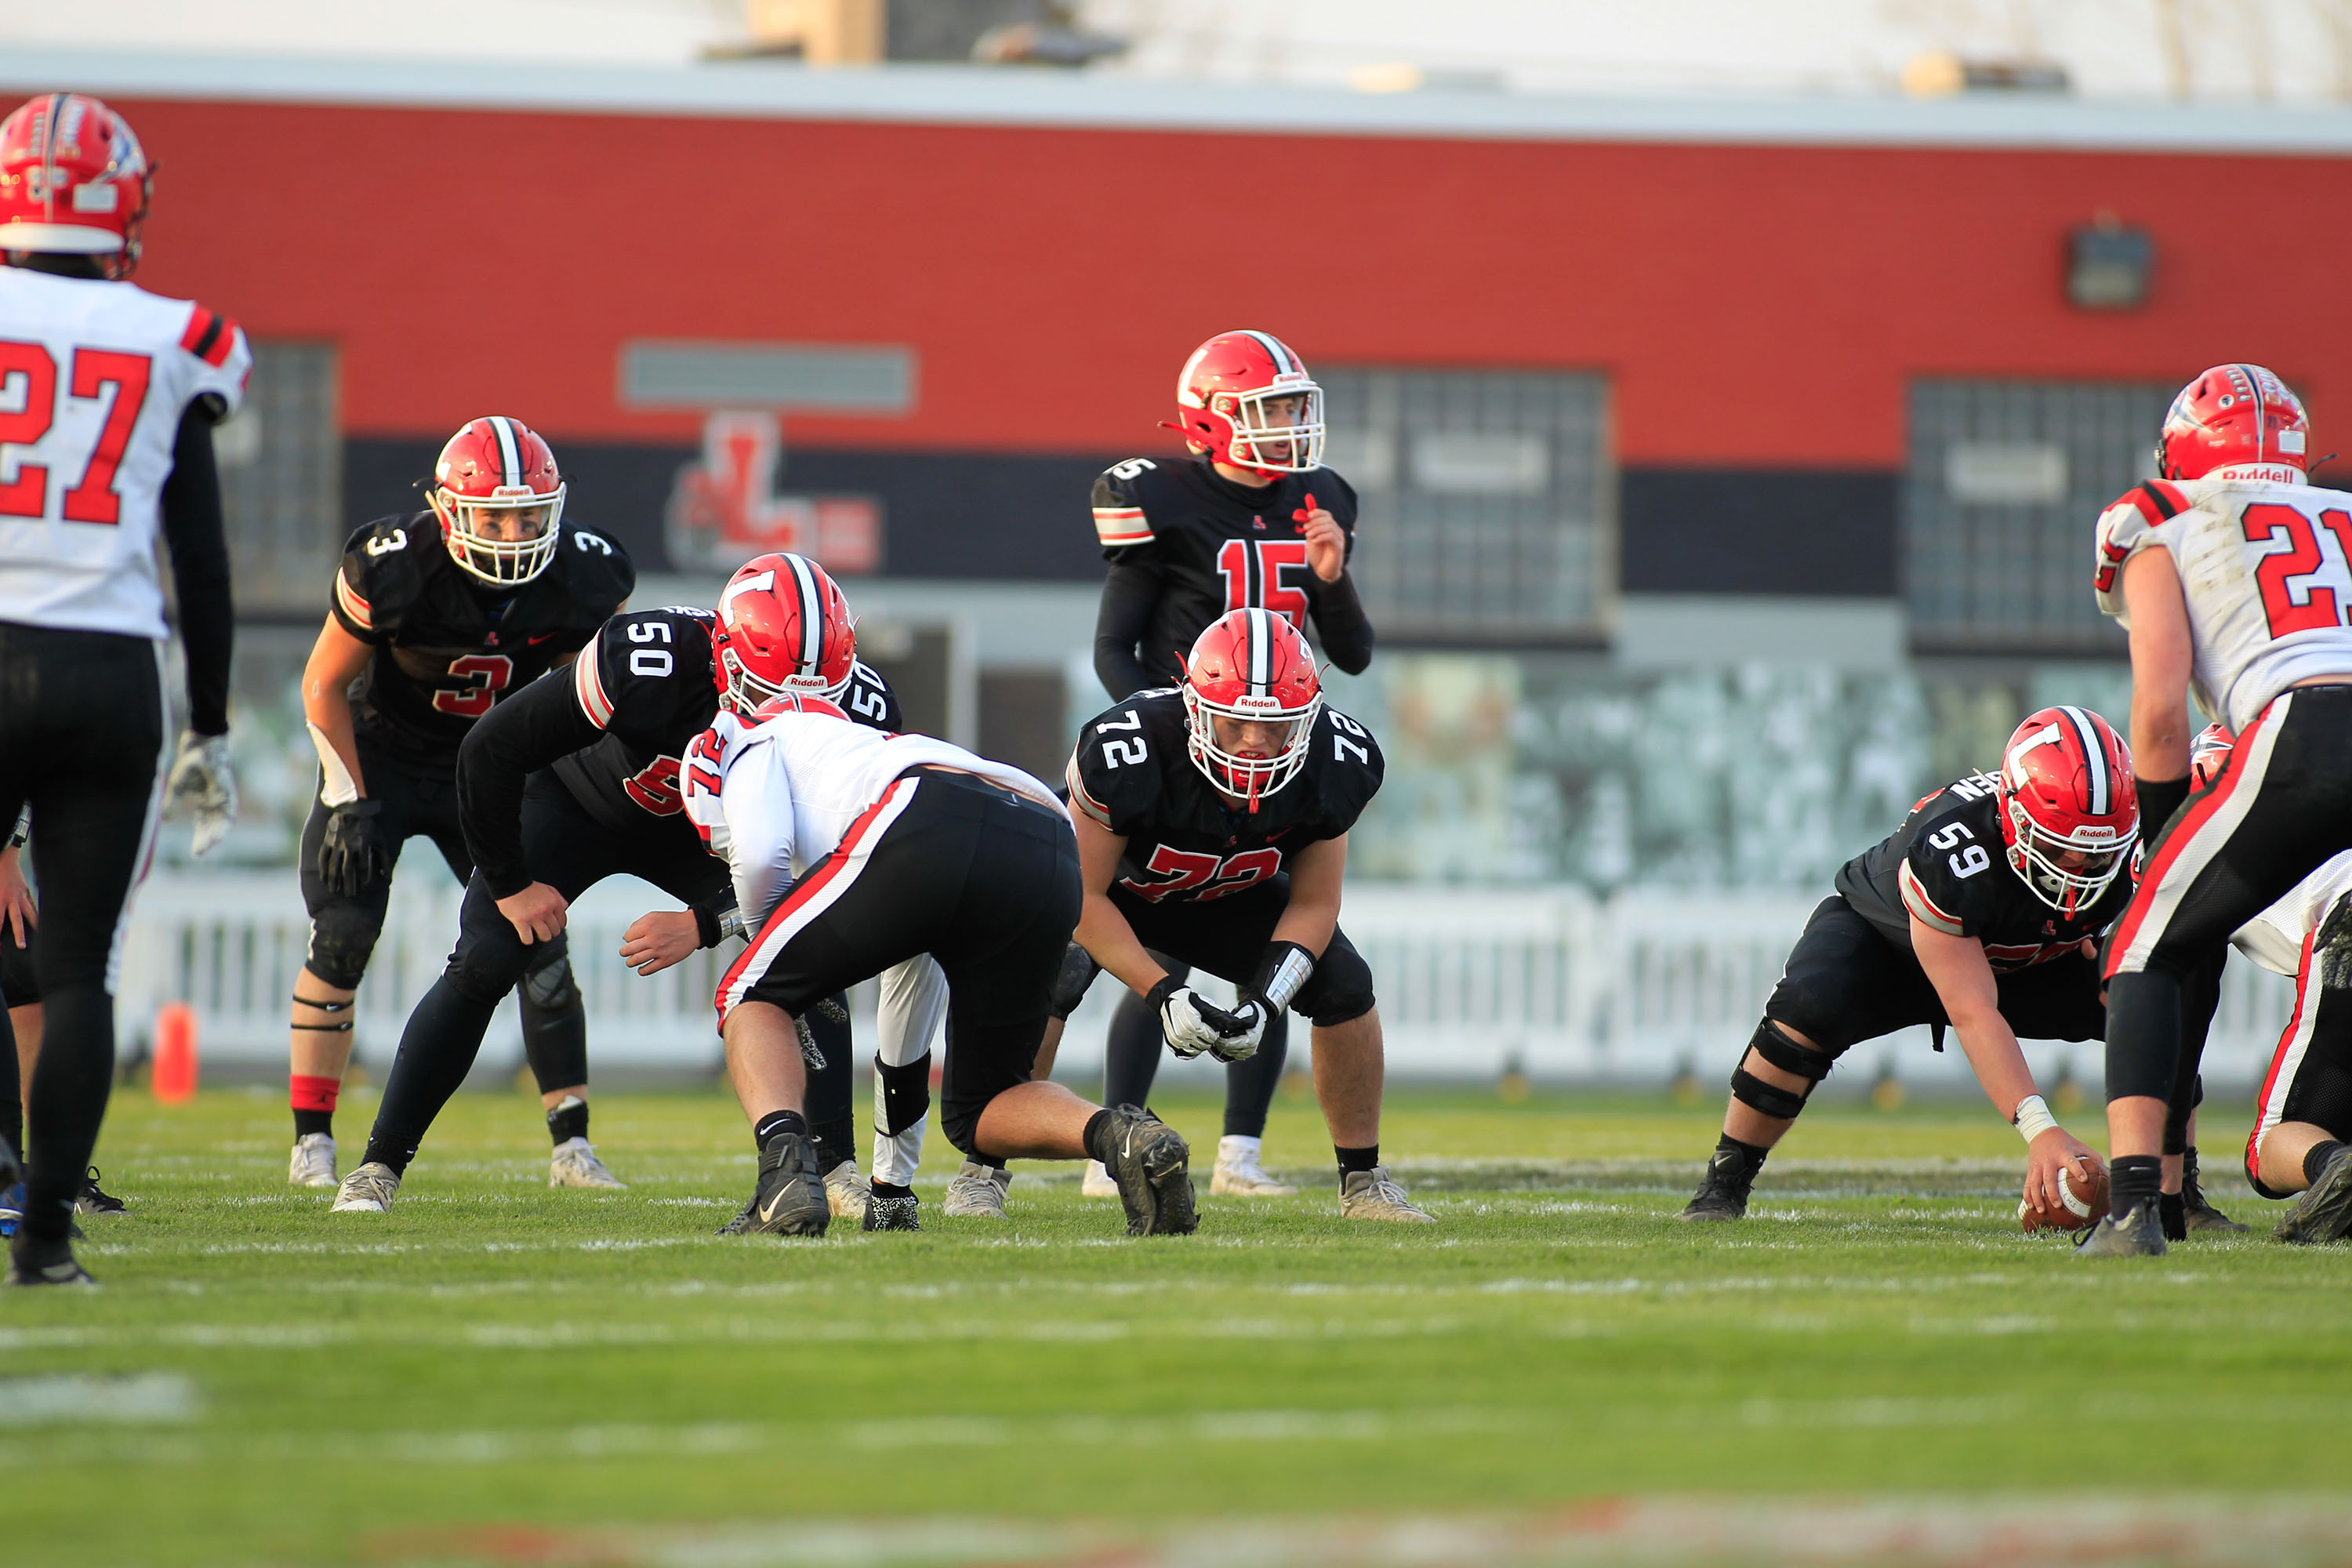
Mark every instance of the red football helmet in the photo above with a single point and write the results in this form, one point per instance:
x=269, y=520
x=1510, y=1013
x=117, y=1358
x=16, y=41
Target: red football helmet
x=783, y=628
x=1222, y=409
x=499, y=468
x=2235, y=422
x=2068, y=812
x=1252, y=670
x=73, y=179
x=2209, y=754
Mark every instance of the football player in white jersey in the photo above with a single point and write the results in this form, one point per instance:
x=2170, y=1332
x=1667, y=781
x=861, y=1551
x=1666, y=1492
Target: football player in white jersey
x=2302, y=1138
x=111, y=396
x=2233, y=576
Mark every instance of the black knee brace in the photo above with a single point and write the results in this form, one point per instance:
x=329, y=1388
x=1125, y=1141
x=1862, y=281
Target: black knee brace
x=1078, y=971
x=1340, y=991
x=551, y=987
x=902, y=1095
x=1775, y=1047
x=342, y=939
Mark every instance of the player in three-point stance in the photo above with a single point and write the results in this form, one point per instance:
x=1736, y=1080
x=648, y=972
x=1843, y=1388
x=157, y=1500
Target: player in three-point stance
x=1981, y=912
x=1213, y=823
x=434, y=618
x=2230, y=574
x=576, y=779
x=115, y=393
x=853, y=851
x=1250, y=520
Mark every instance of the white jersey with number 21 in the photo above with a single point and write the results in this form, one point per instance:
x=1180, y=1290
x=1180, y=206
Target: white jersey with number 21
x=2266, y=569
x=94, y=378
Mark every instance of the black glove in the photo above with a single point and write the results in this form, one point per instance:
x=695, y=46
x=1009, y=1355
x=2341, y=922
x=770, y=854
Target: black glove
x=352, y=858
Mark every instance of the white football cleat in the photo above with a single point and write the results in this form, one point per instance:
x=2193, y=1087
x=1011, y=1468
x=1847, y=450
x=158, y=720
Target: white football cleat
x=1374, y=1194
x=313, y=1164
x=574, y=1165
x=1098, y=1183
x=1239, y=1175
x=368, y=1190
x=977, y=1192
x=847, y=1193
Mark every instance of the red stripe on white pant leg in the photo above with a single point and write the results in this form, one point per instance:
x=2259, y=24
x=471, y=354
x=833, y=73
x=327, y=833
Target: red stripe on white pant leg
x=2269, y=1106
x=2204, y=831
x=815, y=893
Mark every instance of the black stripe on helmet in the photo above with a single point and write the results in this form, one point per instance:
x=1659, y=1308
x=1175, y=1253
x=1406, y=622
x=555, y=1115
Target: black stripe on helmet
x=509, y=449
x=812, y=604
x=2102, y=784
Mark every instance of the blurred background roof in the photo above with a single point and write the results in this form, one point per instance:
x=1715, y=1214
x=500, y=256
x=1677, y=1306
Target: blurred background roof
x=2286, y=51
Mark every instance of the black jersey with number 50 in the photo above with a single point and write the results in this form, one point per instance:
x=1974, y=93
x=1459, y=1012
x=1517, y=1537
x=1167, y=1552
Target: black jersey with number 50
x=1948, y=864
x=448, y=647
x=1132, y=773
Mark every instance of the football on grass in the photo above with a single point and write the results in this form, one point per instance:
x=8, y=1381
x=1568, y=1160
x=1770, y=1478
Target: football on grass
x=2081, y=1209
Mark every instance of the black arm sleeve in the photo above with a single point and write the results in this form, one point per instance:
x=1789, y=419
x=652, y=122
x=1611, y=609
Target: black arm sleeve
x=526, y=732
x=1340, y=618
x=198, y=537
x=1128, y=594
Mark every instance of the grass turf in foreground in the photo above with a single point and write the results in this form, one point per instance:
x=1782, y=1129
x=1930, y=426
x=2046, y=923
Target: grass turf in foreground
x=266, y=1382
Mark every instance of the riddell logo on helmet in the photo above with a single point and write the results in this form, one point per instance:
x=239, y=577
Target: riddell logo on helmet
x=1255, y=705
x=2095, y=833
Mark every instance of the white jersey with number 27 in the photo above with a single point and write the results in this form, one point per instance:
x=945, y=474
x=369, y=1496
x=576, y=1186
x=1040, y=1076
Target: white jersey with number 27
x=2266, y=569
x=94, y=378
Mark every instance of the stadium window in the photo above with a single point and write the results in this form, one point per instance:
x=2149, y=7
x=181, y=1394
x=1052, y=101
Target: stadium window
x=281, y=469
x=2005, y=480
x=1488, y=500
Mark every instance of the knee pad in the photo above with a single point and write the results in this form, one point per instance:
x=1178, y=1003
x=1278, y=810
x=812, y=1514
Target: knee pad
x=902, y=1095
x=342, y=939
x=1077, y=973
x=550, y=987
x=1341, y=989
x=1776, y=1048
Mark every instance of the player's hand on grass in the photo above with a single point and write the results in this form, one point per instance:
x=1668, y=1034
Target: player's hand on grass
x=536, y=912
x=1326, y=545
x=18, y=912
x=2055, y=1150
x=654, y=942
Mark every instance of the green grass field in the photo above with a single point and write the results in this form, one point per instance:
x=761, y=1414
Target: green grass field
x=499, y=1373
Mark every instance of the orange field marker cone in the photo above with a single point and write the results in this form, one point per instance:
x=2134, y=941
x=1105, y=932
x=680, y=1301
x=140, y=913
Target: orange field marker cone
x=175, y=1053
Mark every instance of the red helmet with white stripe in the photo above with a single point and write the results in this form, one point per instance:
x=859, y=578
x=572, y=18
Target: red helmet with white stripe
x=1246, y=400
x=784, y=627
x=499, y=474
x=73, y=181
x=2068, y=812
x=1251, y=695
x=2235, y=422
x=2209, y=755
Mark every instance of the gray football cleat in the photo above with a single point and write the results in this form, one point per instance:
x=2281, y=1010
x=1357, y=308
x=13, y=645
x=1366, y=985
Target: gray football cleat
x=1151, y=1164
x=1375, y=1194
x=789, y=1199
x=32, y=1262
x=2324, y=1213
x=847, y=1191
x=573, y=1164
x=313, y=1164
x=977, y=1192
x=368, y=1190
x=2139, y=1233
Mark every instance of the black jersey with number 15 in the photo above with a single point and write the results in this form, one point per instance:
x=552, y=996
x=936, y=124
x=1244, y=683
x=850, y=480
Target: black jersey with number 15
x=1132, y=773
x=1948, y=864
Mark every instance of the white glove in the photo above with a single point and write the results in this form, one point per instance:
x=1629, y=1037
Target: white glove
x=1192, y=1024
x=203, y=780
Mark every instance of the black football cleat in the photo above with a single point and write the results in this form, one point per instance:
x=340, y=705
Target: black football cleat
x=34, y=1262
x=1150, y=1163
x=898, y=1212
x=92, y=1201
x=2197, y=1214
x=2324, y=1213
x=791, y=1198
x=2139, y=1233
x=1723, y=1191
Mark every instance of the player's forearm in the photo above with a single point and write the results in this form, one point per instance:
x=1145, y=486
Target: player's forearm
x=194, y=526
x=1110, y=941
x=1991, y=1046
x=2159, y=728
x=1340, y=621
x=492, y=765
x=1128, y=598
x=1309, y=925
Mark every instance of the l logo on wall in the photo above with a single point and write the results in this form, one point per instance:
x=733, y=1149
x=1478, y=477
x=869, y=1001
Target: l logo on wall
x=725, y=507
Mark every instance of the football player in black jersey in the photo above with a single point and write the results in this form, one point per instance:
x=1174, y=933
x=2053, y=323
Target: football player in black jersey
x=1213, y=824
x=435, y=619
x=1249, y=520
x=1983, y=912
x=576, y=779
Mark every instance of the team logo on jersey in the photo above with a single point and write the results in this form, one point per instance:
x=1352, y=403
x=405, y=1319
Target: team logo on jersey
x=725, y=507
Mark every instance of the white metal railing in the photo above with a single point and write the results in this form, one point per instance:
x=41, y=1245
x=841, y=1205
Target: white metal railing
x=1570, y=986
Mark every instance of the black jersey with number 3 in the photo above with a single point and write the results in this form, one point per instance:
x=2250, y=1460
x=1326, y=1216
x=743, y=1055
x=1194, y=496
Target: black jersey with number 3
x=1948, y=866
x=1215, y=546
x=1132, y=773
x=448, y=647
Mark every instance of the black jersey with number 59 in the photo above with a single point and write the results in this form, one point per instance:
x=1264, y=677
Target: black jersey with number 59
x=1131, y=773
x=1948, y=866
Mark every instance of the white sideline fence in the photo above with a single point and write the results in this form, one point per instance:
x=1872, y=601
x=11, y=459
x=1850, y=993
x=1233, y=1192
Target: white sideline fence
x=1571, y=987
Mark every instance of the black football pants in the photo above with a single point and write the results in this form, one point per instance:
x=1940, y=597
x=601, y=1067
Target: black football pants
x=81, y=737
